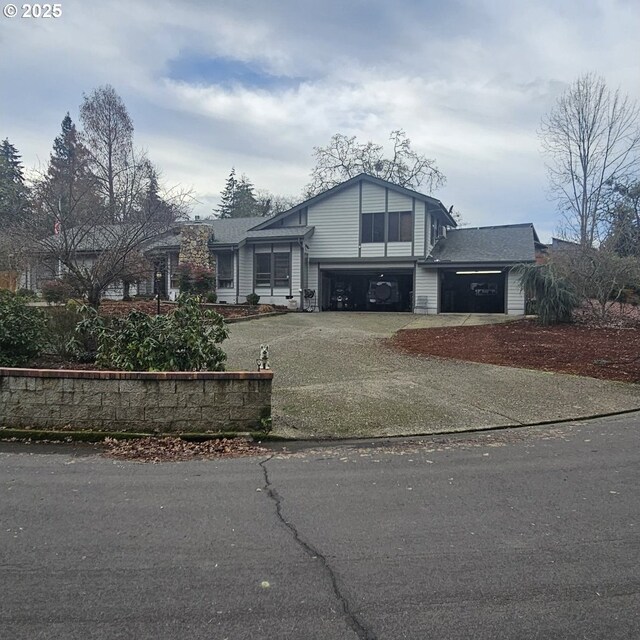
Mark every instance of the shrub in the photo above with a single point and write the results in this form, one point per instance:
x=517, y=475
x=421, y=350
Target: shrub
x=211, y=297
x=22, y=330
x=62, y=337
x=56, y=291
x=26, y=294
x=253, y=299
x=185, y=340
x=196, y=279
x=554, y=297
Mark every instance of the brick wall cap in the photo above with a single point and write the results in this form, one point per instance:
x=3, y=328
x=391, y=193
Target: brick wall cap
x=84, y=374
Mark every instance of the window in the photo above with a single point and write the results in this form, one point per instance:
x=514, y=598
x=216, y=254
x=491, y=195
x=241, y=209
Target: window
x=273, y=269
x=400, y=226
x=281, y=269
x=263, y=269
x=373, y=227
x=224, y=266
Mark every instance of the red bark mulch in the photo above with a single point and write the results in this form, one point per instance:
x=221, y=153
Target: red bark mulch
x=606, y=353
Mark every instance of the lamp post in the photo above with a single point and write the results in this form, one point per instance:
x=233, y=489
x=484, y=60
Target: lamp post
x=158, y=280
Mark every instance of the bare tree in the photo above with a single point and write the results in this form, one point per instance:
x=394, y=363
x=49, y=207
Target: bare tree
x=65, y=232
x=108, y=136
x=345, y=157
x=591, y=138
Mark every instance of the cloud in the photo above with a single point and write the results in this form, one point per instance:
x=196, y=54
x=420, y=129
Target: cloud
x=258, y=85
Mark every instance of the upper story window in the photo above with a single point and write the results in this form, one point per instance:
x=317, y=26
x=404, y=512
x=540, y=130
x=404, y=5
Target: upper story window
x=399, y=227
x=373, y=227
x=224, y=267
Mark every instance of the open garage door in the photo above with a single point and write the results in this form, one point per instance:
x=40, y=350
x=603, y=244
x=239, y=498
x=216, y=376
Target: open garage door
x=472, y=291
x=367, y=290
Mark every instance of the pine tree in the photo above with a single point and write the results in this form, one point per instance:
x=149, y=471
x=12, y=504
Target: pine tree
x=13, y=191
x=227, y=204
x=246, y=203
x=238, y=200
x=70, y=186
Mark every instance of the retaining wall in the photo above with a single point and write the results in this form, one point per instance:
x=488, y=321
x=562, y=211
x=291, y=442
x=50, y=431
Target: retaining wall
x=199, y=401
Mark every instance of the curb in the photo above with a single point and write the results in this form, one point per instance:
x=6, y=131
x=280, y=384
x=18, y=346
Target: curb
x=7, y=435
x=381, y=440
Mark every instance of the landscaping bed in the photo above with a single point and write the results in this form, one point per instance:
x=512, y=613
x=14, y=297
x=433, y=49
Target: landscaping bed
x=598, y=352
x=227, y=311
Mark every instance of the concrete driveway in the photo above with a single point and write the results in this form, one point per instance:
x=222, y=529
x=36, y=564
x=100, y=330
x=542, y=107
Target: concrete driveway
x=334, y=377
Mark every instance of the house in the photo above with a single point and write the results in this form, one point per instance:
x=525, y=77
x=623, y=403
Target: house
x=373, y=244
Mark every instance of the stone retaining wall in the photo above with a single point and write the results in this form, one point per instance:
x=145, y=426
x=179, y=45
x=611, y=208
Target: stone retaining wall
x=134, y=401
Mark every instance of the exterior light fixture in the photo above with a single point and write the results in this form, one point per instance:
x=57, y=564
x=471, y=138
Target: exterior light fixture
x=473, y=273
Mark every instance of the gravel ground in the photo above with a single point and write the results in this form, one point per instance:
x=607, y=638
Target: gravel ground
x=335, y=378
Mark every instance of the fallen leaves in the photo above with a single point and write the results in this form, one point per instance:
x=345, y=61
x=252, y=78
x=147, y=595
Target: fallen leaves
x=172, y=449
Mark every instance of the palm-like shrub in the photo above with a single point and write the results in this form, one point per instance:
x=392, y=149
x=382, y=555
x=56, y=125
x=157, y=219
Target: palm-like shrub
x=554, y=296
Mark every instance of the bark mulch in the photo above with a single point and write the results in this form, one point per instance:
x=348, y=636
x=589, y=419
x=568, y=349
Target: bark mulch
x=606, y=353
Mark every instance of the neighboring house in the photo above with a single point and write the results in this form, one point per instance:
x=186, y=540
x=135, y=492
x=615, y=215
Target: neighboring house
x=381, y=245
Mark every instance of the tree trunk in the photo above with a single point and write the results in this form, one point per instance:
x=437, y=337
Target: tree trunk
x=94, y=296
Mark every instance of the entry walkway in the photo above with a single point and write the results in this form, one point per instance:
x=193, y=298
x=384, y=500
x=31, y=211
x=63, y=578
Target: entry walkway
x=335, y=376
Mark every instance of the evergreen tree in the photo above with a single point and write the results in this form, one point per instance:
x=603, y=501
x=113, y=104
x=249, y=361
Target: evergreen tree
x=246, y=203
x=68, y=193
x=227, y=205
x=238, y=199
x=13, y=191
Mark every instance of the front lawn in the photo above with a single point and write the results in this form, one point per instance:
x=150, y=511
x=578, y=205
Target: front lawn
x=606, y=353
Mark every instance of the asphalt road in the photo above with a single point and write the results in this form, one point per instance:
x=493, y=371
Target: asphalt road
x=530, y=533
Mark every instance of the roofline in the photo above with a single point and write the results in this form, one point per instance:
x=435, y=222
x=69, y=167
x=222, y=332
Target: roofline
x=350, y=182
x=471, y=263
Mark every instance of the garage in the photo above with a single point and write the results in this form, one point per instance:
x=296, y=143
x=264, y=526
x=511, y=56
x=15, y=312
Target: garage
x=472, y=291
x=367, y=290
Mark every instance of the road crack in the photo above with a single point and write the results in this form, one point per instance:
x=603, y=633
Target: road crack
x=360, y=630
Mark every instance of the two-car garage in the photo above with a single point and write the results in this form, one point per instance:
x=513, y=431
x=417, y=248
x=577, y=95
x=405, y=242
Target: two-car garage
x=464, y=290
x=366, y=289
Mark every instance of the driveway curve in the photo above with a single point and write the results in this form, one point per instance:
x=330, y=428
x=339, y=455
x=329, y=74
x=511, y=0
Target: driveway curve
x=335, y=377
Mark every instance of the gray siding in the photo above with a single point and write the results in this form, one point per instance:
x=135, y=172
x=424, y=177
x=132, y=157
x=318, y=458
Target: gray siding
x=399, y=202
x=515, y=296
x=337, y=225
x=418, y=229
x=245, y=269
x=426, y=287
x=373, y=198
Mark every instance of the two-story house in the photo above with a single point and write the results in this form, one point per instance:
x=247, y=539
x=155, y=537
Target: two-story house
x=379, y=245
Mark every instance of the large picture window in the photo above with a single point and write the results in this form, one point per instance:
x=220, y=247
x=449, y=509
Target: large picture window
x=224, y=267
x=400, y=226
x=273, y=269
x=373, y=227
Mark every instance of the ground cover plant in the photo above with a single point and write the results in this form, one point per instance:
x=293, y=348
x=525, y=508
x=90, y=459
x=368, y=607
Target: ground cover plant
x=609, y=353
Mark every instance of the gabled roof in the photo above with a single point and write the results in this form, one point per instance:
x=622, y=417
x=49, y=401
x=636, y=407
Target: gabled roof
x=364, y=177
x=511, y=243
x=287, y=233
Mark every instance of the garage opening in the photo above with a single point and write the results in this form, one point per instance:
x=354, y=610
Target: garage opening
x=472, y=291
x=360, y=290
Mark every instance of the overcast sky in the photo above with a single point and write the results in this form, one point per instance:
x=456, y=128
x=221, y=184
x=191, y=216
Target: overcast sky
x=257, y=84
